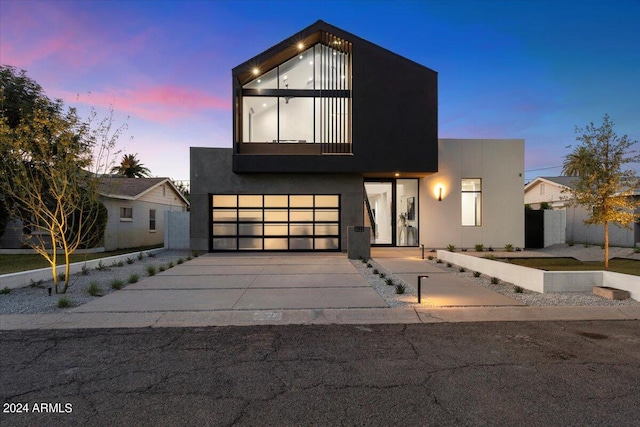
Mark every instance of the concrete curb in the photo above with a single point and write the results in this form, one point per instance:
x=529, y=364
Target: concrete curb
x=165, y=319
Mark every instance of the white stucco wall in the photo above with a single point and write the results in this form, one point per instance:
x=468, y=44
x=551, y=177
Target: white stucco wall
x=500, y=165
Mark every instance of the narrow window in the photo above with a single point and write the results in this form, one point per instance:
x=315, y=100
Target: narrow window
x=152, y=220
x=126, y=214
x=541, y=188
x=472, y=202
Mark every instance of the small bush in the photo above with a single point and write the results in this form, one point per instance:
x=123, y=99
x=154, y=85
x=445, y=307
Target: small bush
x=195, y=254
x=130, y=260
x=636, y=250
x=61, y=277
x=451, y=248
x=180, y=261
x=382, y=275
x=117, y=263
x=508, y=247
x=495, y=280
x=449, y=265
x=84, y=271
x=570, y=242
x=438, y=261
x=170, y=265
x=364, y=261
x=64, y=302
x=375, y=271
x=476, y=274
x=491, y=257
x=94, y=290
x=151, y=254
x=151, y=270
x=117, y=284
x=430, y=257
x=161, y=268
x=6, y=290
x=389, y=281
x=38, y=284
x=490, y=249
x=479, y=247
x=369, y=265
x=400, y=288
x=133, y=278
x=518, y=289
x=140, y=255
x=189, y=258
x=101, y=266
x=462, y=269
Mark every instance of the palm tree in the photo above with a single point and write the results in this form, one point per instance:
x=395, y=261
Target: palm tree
x=578, y=163
x=131, y=167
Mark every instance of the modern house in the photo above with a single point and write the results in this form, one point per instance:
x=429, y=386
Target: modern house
x=556, y=191
x=332, y=131
x=136, y=209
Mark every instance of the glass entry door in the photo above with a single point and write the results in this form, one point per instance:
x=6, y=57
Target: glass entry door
x=391, y=210
x=379, y=211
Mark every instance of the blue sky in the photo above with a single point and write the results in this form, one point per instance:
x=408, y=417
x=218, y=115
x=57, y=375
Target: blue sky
x=506, y=69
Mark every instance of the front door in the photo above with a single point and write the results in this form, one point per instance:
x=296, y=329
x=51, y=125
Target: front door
x=391, y=210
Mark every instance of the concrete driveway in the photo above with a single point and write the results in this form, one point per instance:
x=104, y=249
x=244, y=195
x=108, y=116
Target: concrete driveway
x=246, y=282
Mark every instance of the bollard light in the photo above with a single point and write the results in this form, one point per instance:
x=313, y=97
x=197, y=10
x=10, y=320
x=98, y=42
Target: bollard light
x=420, y=287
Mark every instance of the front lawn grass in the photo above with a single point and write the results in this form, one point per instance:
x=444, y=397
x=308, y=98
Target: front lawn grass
x=24, y=262
x=618, y=265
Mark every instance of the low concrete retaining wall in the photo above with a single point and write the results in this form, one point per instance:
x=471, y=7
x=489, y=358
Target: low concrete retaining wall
x=545, y=281
x=24, y=278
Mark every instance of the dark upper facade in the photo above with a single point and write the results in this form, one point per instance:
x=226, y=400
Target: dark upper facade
x=327, y=101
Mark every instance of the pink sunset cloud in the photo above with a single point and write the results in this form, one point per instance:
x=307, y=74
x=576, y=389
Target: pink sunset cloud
x=157, y=103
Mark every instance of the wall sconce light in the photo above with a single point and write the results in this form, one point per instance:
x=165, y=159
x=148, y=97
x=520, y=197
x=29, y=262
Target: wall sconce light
x=440, y=194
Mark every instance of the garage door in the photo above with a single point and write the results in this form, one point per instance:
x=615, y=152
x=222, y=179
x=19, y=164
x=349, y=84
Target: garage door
x=275, y=222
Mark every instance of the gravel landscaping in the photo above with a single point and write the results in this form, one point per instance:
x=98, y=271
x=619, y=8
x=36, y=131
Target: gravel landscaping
x=35, y=298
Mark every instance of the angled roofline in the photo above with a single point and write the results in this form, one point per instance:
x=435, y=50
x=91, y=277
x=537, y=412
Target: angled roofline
x=287, y=49
x=147, y=190
x=548, y=180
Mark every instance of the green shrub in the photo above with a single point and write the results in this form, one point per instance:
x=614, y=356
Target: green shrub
x=479, y=247
x=151, y=270
x=462, y=270
x=133, y=278
x=189, y=258
x=64, y=302
x=180, y=261
x=84, y=271
x=382, y=275
x=375, y=271
x=491, y=257
x=140, y=255
x=117, y=284
x=508, y=247
x=101, y=266
x=438, y=261
x=195, y=254
x=430, y=257
x=94, y=290
x=151, y=254
x=161, y=268
x=61, y=277
x=476, y=274
x=130, y=260
x=369, y=265
x=364, y=261
x=400, y=288
x=170, y=265
x=495, y=280
x=389, y=281
x=451, y=248
x=117, y=263
x=570, y=242
x=38, y=284
x=449, y=265
x=5, y=290
x=518, y=289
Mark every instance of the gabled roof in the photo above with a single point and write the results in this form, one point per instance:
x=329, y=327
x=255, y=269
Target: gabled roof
x=563, y=181
x=288, y=48
x=133, y=188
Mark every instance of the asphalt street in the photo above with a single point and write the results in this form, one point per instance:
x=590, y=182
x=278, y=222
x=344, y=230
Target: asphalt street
x=502, y=373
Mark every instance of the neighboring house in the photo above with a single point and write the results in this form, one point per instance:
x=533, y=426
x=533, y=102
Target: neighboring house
x=556, y=190
x=136, y=209
x=331, y=131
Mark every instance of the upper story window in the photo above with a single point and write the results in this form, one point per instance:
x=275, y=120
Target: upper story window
x=306, y=99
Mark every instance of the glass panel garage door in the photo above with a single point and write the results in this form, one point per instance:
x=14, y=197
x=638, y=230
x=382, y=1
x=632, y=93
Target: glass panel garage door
x=275, y=222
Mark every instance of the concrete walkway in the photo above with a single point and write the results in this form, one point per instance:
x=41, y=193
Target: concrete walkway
x=440, y=288
x=267, y=289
